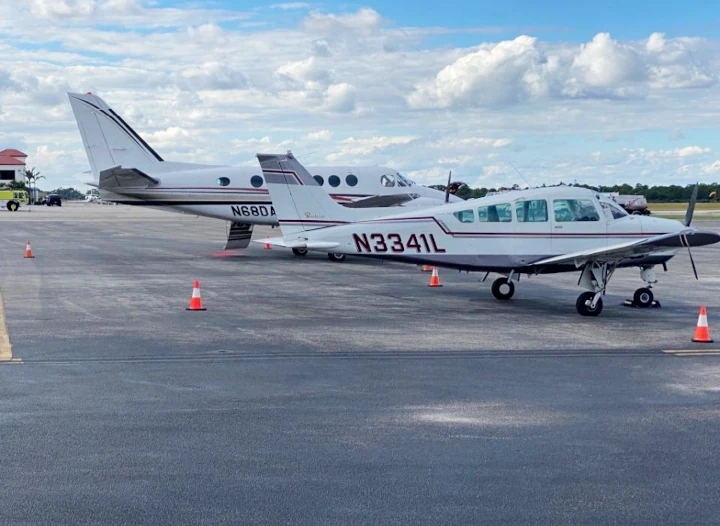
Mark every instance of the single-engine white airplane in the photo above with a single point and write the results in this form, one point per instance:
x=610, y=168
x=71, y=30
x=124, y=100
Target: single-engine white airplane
x=127, y=170
x=534, y=231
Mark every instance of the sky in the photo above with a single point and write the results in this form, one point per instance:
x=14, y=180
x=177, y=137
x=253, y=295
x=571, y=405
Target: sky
x=498, y=92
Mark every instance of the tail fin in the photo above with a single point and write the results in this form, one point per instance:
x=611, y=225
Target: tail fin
x=109, y=141
x=299, y=201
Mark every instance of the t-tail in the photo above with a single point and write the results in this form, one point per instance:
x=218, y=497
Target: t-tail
x=110, y=141
x=299, y=201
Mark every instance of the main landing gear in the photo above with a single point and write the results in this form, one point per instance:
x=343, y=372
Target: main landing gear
x=331, y=257
x=594, y=278
x=503, y=289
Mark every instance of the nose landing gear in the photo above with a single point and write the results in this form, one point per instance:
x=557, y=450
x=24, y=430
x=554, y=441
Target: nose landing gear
x=644, y=297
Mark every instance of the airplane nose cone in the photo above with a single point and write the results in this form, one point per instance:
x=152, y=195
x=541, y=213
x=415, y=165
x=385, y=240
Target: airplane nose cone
x=660, y=225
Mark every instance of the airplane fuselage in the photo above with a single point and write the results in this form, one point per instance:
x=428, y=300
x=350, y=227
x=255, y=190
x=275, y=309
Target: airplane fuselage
x=497, y=233
x=239, y=194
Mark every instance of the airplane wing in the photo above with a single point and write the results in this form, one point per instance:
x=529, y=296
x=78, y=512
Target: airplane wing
x=119, y=177
x=381, y=201
x=632, y=249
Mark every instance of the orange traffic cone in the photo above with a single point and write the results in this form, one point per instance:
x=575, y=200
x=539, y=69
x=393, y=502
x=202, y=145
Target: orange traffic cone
x=267, y=245
x=426, y=268
x=434, y=278
x=196, y=300
x=28, y=251
x=702, y=331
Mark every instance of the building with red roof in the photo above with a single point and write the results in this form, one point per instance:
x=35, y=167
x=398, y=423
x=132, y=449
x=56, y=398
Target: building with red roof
x=12, y=165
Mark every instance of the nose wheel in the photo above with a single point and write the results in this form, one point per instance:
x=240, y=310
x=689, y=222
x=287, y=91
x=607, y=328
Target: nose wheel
x=643, y=297
x=503, y=289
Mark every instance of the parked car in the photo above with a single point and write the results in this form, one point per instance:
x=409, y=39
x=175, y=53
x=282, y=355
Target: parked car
x=52, y=200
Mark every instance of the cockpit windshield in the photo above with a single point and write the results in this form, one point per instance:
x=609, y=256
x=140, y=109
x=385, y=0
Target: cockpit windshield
x=613, y=211
x=404, y=179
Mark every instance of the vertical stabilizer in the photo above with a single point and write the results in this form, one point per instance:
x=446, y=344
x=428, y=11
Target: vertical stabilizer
x=109, y=141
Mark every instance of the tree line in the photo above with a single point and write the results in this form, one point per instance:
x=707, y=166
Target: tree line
x=655, y=193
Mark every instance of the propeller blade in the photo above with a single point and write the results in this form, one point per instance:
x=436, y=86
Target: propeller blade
x=692, y=262
x=691, y=205
x=447, y=188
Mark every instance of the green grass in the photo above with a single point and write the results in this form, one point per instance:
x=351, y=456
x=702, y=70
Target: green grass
x=696, y=219
x=682, y=206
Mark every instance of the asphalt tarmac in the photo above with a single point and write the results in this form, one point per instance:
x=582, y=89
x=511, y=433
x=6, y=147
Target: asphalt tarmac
x=313, y=392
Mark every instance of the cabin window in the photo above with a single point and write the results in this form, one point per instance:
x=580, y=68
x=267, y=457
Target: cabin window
x=567, y=210
x=387, y=180
x=501, y=213
x=256, y=181
x=351, y=180
x=465, y=216
x=223, y=181
x=532, y=211
x=334, y=181
x=319, y=179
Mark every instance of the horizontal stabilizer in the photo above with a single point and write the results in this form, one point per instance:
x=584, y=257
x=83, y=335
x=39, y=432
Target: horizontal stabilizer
x=310, y=245
x=381, y=201
x=119, y=177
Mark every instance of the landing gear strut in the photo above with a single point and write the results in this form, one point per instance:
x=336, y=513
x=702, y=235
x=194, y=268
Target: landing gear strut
x=503, y=289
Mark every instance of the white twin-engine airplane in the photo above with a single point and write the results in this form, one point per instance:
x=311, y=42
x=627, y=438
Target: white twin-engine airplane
x=127, y=170
x=535, y=231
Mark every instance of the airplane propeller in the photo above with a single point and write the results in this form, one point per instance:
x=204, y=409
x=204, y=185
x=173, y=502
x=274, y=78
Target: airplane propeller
x=688, y=220
x=447, y=188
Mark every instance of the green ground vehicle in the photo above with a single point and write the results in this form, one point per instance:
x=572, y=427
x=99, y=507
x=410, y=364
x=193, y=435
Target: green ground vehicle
x=12, y=199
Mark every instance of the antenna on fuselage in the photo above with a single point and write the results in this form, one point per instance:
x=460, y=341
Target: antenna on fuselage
x=520, y=174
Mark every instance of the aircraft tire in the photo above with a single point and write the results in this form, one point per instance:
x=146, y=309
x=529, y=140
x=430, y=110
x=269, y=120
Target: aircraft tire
x=300, y=251
x=643, y=297
x=336, y=257
x=503, y=289
x=582, y=307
